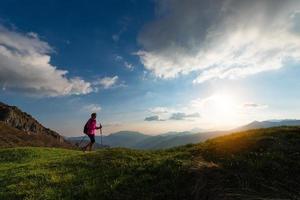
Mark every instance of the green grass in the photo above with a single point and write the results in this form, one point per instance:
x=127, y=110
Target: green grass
x=262, y=163
x=45, y=173
x=257, y=164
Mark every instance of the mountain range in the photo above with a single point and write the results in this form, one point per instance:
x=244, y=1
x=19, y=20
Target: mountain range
x=137, y=140
x=269, y=124
x=18, y=128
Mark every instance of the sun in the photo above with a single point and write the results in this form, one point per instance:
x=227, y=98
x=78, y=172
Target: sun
x=221, y=108
x=223, y=103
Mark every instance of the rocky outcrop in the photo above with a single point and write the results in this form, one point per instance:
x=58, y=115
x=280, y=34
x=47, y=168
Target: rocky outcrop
x=14, y=117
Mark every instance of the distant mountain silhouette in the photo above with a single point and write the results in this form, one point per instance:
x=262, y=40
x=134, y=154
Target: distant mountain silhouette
x=174, y=133
x=182, y=138
x=123, y=139
x=119, y=139
x=18, y=128
x=269, y=124
x=137, y=140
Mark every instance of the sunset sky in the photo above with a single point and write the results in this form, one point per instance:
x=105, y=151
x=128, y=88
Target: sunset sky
x=151, y=65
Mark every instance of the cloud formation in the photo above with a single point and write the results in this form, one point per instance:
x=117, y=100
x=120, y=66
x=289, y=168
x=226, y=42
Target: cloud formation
x=220, y=39
x=126, y=64
x=153, y=118
x=107, y=82
x=183, y=116
x=25, y=67
x=159, y=110
x=92, y=108
x=172, y=116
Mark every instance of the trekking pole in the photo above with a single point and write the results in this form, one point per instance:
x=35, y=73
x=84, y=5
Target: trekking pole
x=101, y=136
x=81, y=141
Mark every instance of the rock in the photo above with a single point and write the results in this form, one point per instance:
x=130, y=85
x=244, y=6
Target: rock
x=14, y=117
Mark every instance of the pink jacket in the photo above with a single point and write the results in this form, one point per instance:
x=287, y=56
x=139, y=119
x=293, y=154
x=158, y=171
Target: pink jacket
x=92, y=126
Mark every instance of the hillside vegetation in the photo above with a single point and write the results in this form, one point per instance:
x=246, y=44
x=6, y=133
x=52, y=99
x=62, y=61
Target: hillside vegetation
x=257, y=164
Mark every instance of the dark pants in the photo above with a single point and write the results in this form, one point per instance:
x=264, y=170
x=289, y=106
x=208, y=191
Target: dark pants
x=92, y=138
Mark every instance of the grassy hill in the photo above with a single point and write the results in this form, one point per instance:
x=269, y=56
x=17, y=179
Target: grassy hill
x=256, y=164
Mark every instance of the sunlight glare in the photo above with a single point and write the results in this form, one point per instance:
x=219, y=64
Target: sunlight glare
x=221, y=109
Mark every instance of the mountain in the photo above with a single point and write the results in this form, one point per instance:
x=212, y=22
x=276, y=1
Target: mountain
x=137, y=140
x=122, y=139
x=119, y=139
x=18, y=128
x=256, y=164
x=172, y=140
x=269, y=124
x=197, y=130
x=174, y=133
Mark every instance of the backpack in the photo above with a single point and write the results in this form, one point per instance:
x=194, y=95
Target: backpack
x=85, y=128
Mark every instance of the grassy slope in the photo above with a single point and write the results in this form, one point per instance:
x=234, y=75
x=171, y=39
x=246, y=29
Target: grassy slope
x=41, y=173
x=258, y=164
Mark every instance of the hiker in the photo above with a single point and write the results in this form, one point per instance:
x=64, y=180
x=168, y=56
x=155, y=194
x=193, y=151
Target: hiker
x=90, y=130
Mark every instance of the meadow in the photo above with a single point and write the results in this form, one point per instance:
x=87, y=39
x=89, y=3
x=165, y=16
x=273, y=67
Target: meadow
x=256, y=164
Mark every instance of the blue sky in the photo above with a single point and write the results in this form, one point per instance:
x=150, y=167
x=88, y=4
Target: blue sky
x=151, y=66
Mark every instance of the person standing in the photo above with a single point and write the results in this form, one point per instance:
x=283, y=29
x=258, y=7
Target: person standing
x=90, y=129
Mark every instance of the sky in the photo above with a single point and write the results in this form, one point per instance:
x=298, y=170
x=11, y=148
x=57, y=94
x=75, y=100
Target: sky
x=151, y=65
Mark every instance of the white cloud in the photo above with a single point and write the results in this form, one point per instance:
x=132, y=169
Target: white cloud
x=159, y=110
x=126, y=64
x=25, y=67
x=92, y=108
x=164, y=114
x=107, y=82
x=33, y=35
x=216, y=39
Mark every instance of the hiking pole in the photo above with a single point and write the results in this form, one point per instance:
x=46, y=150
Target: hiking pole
x=78, y=144
x=101, y=136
